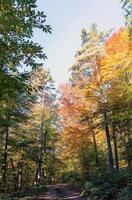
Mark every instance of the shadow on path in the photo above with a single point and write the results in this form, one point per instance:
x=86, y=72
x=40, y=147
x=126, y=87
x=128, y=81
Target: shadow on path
x=61, y=192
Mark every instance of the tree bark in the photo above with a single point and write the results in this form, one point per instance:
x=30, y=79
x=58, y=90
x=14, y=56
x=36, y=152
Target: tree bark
x=14, y=177
x=129, y=150
x=94, y=144
x=40, y=145
x=116, y=153
x=110, y=154
x=115, y=148
x=39, y=175
x=20, y=174
x=27, y=176
x=5, y=155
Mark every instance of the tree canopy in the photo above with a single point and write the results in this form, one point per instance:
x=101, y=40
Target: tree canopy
x=80, y=133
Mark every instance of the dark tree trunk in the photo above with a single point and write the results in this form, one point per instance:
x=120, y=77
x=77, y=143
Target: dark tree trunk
x=39, y=176
x=27, y=176
x=45, y=141
x=116, y=153
x=94, y=144
x=42, y=151
x=14, y=177
x=36, y=176
x=41, y=145
x=39, y=166
x=5, y=154
x=129, y=150
x=115, y=148
x=20, y=174
x=110, y=155
x=95, y=149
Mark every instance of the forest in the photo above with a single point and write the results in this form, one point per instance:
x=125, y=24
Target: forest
x=80, y=134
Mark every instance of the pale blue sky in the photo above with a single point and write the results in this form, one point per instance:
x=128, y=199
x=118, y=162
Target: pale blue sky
x=67, y=18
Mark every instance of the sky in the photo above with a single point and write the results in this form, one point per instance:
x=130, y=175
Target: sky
x=67, y=18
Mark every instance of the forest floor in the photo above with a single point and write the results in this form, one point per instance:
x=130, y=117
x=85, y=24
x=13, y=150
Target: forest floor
x=61, y=192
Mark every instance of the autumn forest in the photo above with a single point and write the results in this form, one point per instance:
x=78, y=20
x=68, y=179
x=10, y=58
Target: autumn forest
x=81, y=133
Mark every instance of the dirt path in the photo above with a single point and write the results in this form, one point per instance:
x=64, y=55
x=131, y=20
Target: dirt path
x=62, y=192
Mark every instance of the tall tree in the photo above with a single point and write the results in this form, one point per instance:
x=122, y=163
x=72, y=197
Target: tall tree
x=18, y=58
x=46, y=114
x=89, y=69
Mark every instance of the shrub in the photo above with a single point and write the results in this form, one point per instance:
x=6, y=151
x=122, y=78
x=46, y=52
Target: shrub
x=110, y=187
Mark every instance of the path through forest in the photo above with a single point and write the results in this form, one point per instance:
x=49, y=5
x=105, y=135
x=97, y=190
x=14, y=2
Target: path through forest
x=61, y=191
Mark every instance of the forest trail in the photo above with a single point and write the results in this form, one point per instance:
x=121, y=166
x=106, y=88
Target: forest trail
x=62, y=192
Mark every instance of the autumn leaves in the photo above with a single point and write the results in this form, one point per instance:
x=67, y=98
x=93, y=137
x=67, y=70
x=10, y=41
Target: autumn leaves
x=97, y=99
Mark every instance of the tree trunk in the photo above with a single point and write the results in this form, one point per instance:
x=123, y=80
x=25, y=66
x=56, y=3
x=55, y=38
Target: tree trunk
x=27, y=176
x=20, y=174
x=40, y=157
x=41, y=145
x=116, y=154
x=110, y=155
x=94, y=144
x=39, y=175
x=14, y=177
x=41, y=154
x=115, y=148
x=129, y=148
x=95, y=149
x=5, y=155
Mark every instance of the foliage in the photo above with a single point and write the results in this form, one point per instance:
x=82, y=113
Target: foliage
x=95, y=113
x=127, y=6
x=23, y=195
x=84, y=135
x=117, y=186
x=22, y=83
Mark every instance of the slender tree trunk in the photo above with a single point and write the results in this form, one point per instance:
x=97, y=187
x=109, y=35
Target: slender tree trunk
x=39, y=175
x=94, y=144
x=36, y=176
x=27, y=176
x=45, y=141
x=85, y=167
x=41, y=154
x=129, y=148
x=5, y=155
x=53, y=163
x=41, y=144
x=14, y=177
x=20, y=174
x=40, y=157
x=115, y=148
x=110, y=155
x=95, y=149
x=116, y=153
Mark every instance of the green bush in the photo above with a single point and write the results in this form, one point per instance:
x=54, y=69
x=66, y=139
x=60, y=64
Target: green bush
x=71, y=176
x=125, y=193
x=110, y=187
x=32, y=192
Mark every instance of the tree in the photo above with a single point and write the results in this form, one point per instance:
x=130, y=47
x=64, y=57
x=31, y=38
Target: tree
x=18, y=58
x=127, y=6
x=77, y=133
x=45, y=114
x=118, y=48
x=88, y=68
x=14, y=109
